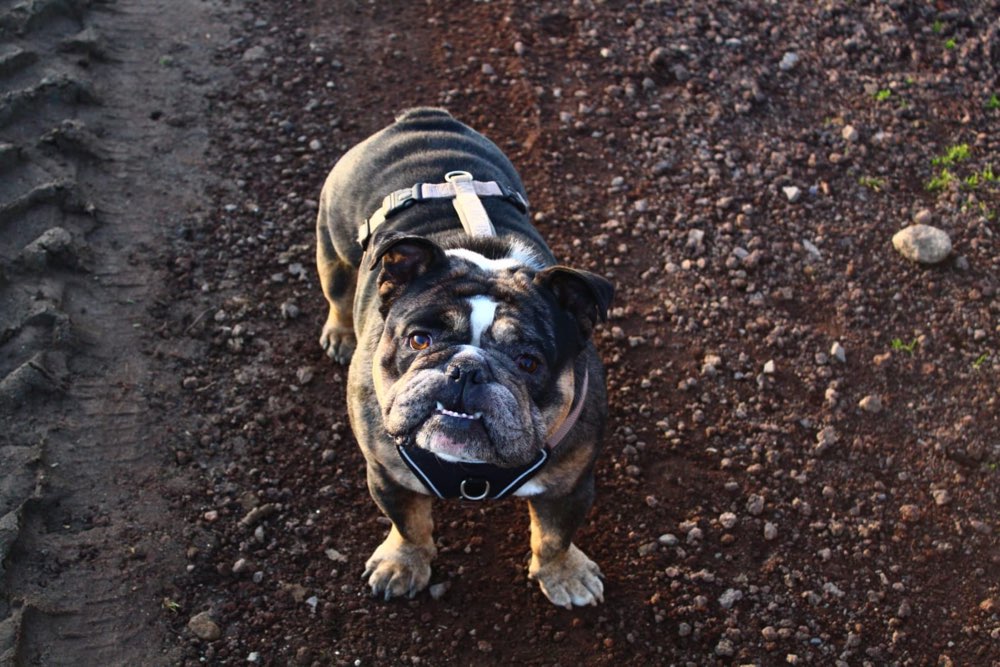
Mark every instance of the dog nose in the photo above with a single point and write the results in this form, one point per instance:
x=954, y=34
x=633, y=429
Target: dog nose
x=464, y=374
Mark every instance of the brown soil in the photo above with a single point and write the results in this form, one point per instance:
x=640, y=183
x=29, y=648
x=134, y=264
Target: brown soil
x=175, y=442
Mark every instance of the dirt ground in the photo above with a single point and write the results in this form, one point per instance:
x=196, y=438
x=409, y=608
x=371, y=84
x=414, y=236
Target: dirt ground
x=803, y=457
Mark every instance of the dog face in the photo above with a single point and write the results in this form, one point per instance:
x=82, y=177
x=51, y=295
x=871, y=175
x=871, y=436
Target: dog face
x=475, y=362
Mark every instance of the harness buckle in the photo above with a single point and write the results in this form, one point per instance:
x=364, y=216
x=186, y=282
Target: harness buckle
x=469, y=491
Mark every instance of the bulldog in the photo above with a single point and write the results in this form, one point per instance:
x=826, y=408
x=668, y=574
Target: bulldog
x=472, y=370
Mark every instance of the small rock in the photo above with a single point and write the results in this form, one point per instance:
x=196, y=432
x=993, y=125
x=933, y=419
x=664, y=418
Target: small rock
x=305, y=374
x=328, y=456
x=668, y=539
x=849, y=133
x=923, y=217
x=730, y=597
x=727, y=519
x=769, y=367
x=871, y=404
x=904, y=609
x=792, y=193
x=922, y=243
x=788, y=61
x=437, y=591
x=335, y=555
x=941, y=496
x=909, y=513
x=755, y=504
x=770, y=531
x=989, y=605
x=241, y=566
x=837, y=352
x=724, y=647
x=289, y=310
x=825, y=439
x=204, y=627
x=519, y=48
x=254, y=54
x=683, y=629
x=769, y=633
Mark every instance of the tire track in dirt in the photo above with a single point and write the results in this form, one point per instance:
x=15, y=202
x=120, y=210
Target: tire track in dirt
x=101, y=159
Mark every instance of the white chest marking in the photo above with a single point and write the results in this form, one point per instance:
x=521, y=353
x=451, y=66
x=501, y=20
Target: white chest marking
x=481, y=316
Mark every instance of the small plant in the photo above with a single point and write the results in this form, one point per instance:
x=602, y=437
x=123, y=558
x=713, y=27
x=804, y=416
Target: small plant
x=882, y=95
x=937, y=26
x=899, y=346
x=171, y=605
x=871, y=182
x=953, y=155
x=950, y=43
x=941, y=181
x=993, y=103
x=980, y=360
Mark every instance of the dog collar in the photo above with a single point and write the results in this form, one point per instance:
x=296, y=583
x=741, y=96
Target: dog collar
x=484, y=481
x=464, y=192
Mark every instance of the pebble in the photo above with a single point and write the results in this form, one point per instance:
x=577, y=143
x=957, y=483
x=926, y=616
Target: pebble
x=668, y=539
x=871, y=404
x=769, y=633
x=792, y=193
x=254, y=54
x=825, y=439
x=770, y=530
x=849, y=133
x=724, y=648
x=727, y=519
x=837, y=352
x=788, y=61
x=730, y=597
x=922, y=243
x=909, y=513
x=755, y=504
x=769, y=367
x=290, y=311
x=519, y=48
x=204, y=627
x=923, y=217
x=305, y=374
x=328, y=456
x=437, y=591
x=941, y=496
x=241, y=566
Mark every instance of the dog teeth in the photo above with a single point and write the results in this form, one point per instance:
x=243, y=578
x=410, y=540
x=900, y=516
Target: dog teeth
x=461, y=415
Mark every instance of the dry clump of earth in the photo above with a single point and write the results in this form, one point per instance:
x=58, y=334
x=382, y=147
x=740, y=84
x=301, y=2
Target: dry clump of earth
x=802, y=459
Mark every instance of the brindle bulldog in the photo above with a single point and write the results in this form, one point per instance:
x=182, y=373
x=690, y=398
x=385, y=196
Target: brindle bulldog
x=472, y=371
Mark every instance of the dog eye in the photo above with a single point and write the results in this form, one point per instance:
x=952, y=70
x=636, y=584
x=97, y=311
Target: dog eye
x=528, y=363
x=420, y=340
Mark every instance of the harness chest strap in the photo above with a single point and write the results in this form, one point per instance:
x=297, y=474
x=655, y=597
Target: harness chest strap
x=464, y=192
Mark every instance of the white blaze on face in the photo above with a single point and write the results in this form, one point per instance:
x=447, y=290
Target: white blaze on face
x=483, y=309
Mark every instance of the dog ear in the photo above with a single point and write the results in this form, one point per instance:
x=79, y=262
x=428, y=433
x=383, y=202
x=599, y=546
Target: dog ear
x=402, y=259
x=584, y=295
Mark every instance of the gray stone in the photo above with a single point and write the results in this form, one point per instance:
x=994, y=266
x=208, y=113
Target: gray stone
x=922, y=243
x=204, y=627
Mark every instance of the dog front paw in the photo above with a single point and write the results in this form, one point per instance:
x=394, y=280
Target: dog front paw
x=396, y=569
x=569, y=579
x=338, y=341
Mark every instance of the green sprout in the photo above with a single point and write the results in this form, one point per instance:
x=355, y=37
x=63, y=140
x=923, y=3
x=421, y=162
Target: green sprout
x=954, y=154
x=874, y=183
x=899, y=346
x=171, y=605
x=941, y=181
x=993, y=103
x=950, y=43
x=882, y=95
x=980, y=360
x=937, y=26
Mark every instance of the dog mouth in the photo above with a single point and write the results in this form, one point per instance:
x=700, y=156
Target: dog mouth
x=441, y=410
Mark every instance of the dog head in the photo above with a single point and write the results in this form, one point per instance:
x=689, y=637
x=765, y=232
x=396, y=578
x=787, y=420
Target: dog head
x=475, y=361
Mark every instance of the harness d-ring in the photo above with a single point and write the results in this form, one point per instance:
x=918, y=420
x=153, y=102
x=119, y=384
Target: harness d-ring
x=482, y=496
